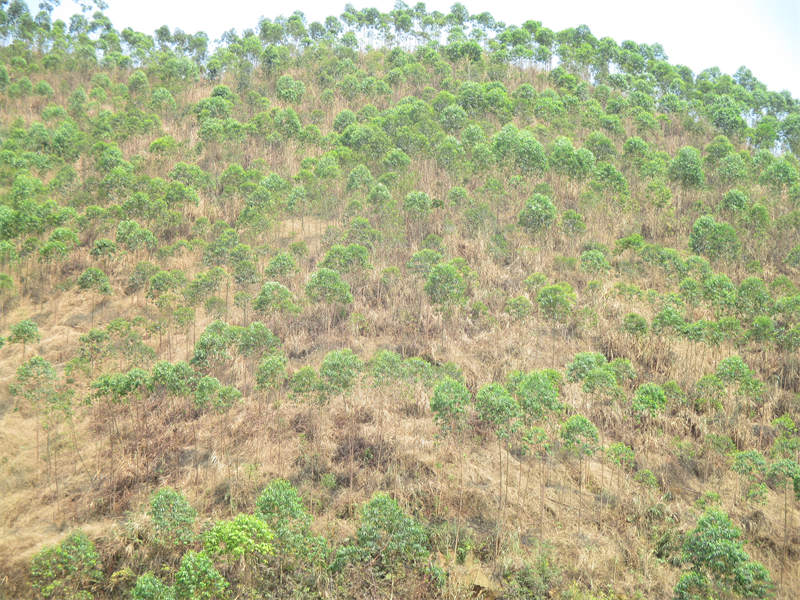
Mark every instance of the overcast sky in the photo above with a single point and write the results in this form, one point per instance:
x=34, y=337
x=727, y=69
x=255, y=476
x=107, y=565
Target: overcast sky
x=763, y=35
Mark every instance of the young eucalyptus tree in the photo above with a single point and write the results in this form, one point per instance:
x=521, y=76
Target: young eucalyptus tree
x=449, y=403
x=36, y=383
x=580, y=438
x=752, y=467
x=718, y=566
x=556, y=302
x=172, y=518
x=784, y=474
x=275, y=299
x=338, y=373
x=498, y=409
x=326, y=286
x=94, y=280
x=537, y=395
x=25, y=332
x=296, y=547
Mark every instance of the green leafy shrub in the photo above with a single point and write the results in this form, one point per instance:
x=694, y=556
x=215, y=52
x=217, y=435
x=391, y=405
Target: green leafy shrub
x=304, y=382
x=536, y=393
x=518, y=307
x=326, y=285
x=583, y=363
x=422, y=262
x=289, y=89
x=387, y=539
x=70, y=570
x=498, y=408
x=445, y=284
x=634, y=324
x=198, y=579
x=594, y=261
x=716, y=240
x=580, y=435
x=271, y=372
x=339, y=370
x=346, y=259
x=649, y=399
x=275, y=298
x=172, y=517
x=646, y=478
x=793, y=257
x=245, y=537
x=24, y=332
x=281, y=508
x=538, y=215
x=449, y=404
x=536, y=580
x=717, y=564
x=621, y=455
x=572, y=222
x=557, y=301
x=687, y=168
x=150, y=587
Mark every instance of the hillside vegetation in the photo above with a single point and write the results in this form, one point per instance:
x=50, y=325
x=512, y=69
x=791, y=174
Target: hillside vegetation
x=405, y=305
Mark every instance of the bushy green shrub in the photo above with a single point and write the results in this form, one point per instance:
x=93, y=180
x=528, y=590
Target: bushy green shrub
x=172, y=517
x=71, y=570
x=198, y=579
x=538, y=215
x=387, y=539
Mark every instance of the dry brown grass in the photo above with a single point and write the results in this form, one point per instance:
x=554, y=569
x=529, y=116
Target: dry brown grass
x=221, y=462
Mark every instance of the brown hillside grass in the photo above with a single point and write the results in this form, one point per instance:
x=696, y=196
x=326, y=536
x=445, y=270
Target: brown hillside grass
x=604, y=527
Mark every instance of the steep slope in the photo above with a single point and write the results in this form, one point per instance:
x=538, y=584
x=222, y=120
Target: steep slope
x=505, y=327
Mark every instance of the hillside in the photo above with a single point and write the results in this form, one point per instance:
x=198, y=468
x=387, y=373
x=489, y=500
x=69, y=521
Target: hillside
x=410, y=305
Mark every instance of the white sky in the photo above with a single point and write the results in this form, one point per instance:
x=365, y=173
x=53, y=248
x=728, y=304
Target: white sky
x=763, y=35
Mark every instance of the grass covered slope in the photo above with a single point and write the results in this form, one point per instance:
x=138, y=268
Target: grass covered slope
x=393, y=306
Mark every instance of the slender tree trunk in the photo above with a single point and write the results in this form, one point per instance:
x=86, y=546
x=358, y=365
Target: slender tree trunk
x=227, y=296
x=58, y=490
x=460, y=493
x=49, y=462
x=37, y=441
x=351, y=443
x=580, y=492
x=77, y=451
x=111, y=460
x=508, y=467
x=541, y=499
x=785, y=528
x=500, y=503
